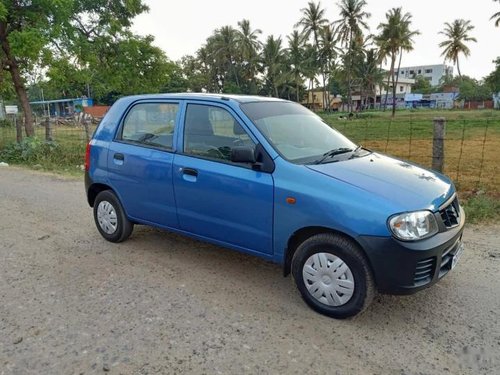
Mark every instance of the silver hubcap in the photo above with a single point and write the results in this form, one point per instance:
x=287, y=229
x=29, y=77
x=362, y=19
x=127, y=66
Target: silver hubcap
x=328, y=279
x=106, y=216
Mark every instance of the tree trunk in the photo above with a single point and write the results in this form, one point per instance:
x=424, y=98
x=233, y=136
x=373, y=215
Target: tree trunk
x=17, y=80
x=458, y=69
x=297, y=91
x=395, y=85
x=391, y=70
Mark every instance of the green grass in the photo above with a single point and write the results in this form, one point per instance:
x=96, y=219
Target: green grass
x=482, y=208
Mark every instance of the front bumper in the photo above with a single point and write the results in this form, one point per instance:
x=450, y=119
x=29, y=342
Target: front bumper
x=406, y=267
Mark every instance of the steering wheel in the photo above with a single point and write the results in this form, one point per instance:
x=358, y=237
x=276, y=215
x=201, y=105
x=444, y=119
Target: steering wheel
x=214, y=152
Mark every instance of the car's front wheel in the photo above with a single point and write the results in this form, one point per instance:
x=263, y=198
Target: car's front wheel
x=110, y=217
x=333, y=275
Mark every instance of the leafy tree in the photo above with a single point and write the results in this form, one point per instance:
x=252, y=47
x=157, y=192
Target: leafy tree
x=84, y=32
x=422, y=85
x=457, y=34
x=26, y=28
x=472, y=89
x=493, y=79
x=349, y=29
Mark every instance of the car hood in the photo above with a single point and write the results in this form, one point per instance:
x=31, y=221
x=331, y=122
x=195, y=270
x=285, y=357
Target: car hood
x=409, y=186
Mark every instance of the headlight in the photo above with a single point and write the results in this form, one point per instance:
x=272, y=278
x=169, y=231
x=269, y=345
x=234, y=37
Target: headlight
x=412, y=226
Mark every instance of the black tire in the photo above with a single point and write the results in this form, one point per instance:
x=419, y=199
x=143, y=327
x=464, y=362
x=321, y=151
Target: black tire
x=123, y=225
x=353, y=257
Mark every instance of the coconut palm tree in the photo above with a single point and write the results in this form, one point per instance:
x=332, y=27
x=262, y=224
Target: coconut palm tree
x=497, y=16
x=225, y=52
x=327, y=52
x=249, y=47
x=296, y=57
x=312, y=21
x=273, y=63
x=457, y=34
x=395, y=37
x=349, y=29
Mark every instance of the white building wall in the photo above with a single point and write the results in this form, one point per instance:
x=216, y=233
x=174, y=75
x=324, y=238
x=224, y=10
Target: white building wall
x=433, y=73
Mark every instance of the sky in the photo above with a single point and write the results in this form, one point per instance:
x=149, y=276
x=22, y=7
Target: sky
x=180, y=27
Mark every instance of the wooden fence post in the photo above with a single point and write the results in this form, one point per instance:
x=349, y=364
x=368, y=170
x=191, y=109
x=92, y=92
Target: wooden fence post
x=19, y=129
x=438, y=144
x=48, y=130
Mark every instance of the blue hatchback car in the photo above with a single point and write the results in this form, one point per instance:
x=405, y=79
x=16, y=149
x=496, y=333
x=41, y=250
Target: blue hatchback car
x=268, y=177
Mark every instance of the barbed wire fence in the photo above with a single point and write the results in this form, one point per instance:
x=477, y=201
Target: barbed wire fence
x=471, y=149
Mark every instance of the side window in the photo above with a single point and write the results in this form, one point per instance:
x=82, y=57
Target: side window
x=212, y=132
x=150, y=124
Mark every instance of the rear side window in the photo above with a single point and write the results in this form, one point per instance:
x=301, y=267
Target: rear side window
x=150, y=124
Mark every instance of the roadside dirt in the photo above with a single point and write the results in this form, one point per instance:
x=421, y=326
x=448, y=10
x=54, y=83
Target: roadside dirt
x=72, y=303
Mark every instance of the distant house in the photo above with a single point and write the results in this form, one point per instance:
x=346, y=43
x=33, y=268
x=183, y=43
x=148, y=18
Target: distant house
x=61, y=107
x=315, y=100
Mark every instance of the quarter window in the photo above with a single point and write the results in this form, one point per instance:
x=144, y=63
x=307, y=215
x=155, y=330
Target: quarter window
x=151, y=124
x=212, y=132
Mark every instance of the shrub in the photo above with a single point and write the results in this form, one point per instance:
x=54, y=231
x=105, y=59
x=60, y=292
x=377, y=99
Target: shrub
x=30, y=150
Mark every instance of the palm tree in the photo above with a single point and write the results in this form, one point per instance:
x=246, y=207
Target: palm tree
x=272, y=62
x=497, y=16
x=457, y=34
x=312, y=21
x=225, y=52
x=296, y=59
x=369, y=73
x=249, y=47
x=395, y=37
x=327, y=55
x=349, y=29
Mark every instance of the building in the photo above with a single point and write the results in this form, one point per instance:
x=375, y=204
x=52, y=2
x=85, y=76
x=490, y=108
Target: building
x=315, y=100
x=61, y=107
x=432, y=73
x=404, y=86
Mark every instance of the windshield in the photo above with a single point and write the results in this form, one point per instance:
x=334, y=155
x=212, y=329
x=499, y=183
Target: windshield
x=296, y=133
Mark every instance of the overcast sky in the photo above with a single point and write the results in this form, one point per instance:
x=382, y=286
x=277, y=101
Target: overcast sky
x=180, y=27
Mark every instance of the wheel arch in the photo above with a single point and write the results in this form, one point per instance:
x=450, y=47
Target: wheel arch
x=94, y=190
x=303, y=234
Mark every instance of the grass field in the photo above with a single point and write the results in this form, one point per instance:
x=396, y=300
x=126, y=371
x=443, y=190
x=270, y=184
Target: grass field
x=472, y=147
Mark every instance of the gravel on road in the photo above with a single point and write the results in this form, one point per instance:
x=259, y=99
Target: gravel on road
x=160, y=303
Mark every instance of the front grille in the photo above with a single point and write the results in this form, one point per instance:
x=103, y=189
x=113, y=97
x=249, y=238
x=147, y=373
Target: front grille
x=424, y=271
x=451, y=214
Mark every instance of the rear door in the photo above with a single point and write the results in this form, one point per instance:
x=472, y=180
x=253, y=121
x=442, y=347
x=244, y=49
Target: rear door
x=140, y=162
x=216, y=198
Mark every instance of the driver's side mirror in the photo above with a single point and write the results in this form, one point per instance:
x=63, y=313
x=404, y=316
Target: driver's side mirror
x=243, y=154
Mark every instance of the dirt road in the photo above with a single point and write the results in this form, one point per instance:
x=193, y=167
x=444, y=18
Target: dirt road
x=72, y=303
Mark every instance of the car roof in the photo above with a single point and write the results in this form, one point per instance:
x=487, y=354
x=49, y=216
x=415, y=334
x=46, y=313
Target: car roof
x=205, y=96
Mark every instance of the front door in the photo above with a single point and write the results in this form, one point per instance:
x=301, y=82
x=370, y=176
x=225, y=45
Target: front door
x=218, y=199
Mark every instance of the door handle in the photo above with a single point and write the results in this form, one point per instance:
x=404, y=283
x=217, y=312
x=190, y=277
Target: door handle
x=190, y=172
x=119, y=157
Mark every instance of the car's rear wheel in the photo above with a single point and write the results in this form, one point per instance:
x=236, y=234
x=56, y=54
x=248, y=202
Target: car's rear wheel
x=333, y=275
x=110, y=217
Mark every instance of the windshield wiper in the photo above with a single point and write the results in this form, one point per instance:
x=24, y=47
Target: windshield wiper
x=334, y=152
